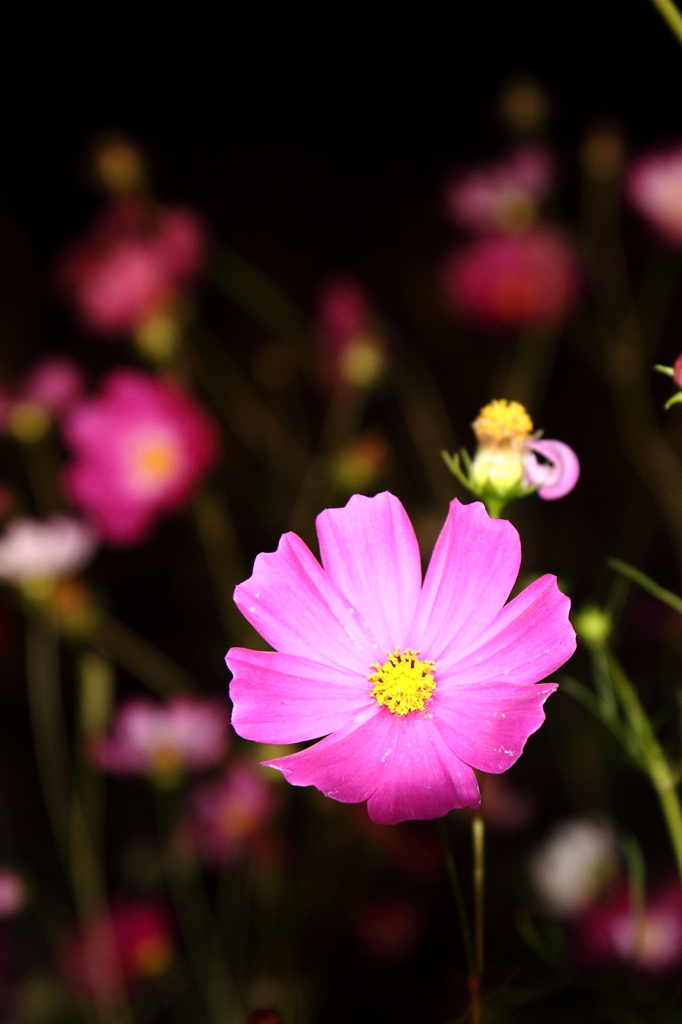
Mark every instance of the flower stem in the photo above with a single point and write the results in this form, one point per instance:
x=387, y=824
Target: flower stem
x=671, y=15
x=478, y=842
x=457, y=895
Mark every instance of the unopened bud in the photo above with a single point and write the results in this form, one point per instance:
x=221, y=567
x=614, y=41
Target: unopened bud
x=524, y=107
x=593, y=625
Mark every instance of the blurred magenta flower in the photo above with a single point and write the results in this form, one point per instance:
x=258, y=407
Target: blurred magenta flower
x=513, y=280
x=610, y=931
x=413, y=685
x=33, y=549
x=130, y=264
x=574, y=864
x=133, y=941
x=229, y=815
x=53, y=383
x=12, y=892
x=654, y=187
x=502, y=194
x=140, y=449
x=352, y=349
x=164, y=741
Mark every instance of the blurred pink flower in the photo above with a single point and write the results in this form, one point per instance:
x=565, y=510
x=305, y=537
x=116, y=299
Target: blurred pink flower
x=125, y=269
x=503, y=193
x=609, y=931
x=411, y=684
x=513, y=280
x=53, y=383
x=140, y=449
x=677, y=372
x=388, y=928
x=346, y=321
x=557, y=475
x=164, y=740
x=654, y=187
x=35, y=549
x=132, y=942
x=12, y=892
x=229, y=815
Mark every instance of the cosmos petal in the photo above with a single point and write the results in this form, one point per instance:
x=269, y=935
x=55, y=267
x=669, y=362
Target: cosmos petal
x=472, y=570
x=529, y=639
x=295, y=606
x=487, y=725
x=348, y=764
x=281, y=698
x=370, y=551
x=423, y=778
x=558, y=476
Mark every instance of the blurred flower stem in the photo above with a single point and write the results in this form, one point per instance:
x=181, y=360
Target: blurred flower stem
x=141, y=658
x=618, y=706
x=671, y=15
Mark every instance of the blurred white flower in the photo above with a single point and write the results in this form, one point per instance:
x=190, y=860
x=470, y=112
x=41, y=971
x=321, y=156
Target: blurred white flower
x=575, y=862
x=31, y=549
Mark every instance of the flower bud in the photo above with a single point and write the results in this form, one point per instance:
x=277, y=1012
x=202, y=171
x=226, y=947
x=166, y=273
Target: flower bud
x=593, y=625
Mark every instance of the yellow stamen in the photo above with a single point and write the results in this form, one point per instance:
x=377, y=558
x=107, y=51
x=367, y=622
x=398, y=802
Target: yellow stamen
x=501, y=421
x=156, y=462
x=403, y=683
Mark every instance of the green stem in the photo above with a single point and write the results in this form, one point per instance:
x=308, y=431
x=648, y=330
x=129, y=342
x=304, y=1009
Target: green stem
x=671, y=15
x=457, y=894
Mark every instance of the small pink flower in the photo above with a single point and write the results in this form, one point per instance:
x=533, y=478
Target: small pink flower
x=513, y=280
x=132, y=942
x=609, y=931
x=33, y=549
x=412, y=684
x=140, y=449
x=12, y=892
x=502, y=193
x=677, y=372
x=54, y=383
x=229, y=815
x=346, y=322
x=654, y=187
x=164, y=740
x=557, y=475
x=129, y=264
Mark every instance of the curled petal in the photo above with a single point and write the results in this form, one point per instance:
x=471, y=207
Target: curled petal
x=557, y=477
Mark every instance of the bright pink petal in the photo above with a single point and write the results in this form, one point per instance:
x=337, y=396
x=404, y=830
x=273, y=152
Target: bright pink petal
x=557, y=478
x=487, y=724
x=281, y=698
x=348, y=764
x=423, y=777
x=529, y=639
x=472, y=570
x=294, y=605
x=370, y=551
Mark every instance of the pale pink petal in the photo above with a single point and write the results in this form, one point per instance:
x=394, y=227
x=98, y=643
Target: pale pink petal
x=370, y=551
x=487, y=724
x=472, y=570
x=294, y=605
x=423, y=778
x=348, y=764
x=557, y=478
x=530, y=638
x=281, y=698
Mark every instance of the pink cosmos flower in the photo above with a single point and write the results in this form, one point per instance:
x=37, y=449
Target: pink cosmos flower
x=131, y=942
x=164, y=740
x=513, y=280
x=346, y=321
x=557, y=475
x=502, y=193
x=31, y=549
x=133, y=259
x=139, y=451
x=229, y=815
x=414, y=685
x=609, y=931
x=654, y=187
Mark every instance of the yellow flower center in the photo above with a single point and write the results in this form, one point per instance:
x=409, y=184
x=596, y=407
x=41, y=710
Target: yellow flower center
x=501, y=421
x=404, y=683
x=156, y=461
